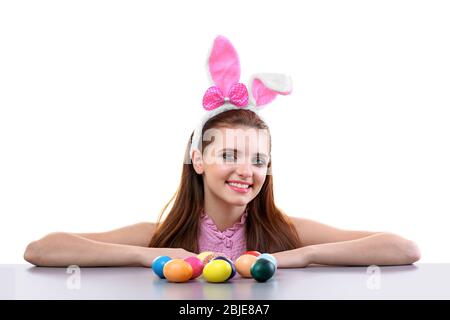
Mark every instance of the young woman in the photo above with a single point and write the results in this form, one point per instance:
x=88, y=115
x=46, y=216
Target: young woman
x=225, y=201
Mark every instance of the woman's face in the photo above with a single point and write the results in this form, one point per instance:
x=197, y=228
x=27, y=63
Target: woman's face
x=234, y=165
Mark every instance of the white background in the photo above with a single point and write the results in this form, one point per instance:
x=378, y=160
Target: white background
x=98, y=99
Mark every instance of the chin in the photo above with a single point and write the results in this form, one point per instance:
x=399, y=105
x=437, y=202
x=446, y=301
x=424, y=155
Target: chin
x=239, y=202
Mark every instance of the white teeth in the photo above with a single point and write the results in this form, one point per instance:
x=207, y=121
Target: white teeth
x=242, y=186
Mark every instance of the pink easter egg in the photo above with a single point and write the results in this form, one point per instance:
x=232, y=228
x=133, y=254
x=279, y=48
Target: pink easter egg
x=197, y=266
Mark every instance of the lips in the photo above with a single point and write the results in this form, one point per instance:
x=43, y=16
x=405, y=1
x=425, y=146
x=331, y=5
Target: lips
x=239, y=187
x=239, y=183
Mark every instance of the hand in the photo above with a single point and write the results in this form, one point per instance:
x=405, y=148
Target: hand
x=178, y=253
x=147, y=255
x=297, y=258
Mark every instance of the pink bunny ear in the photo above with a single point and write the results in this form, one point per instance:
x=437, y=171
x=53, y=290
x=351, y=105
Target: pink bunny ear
x=266, y=86
x=224, y=64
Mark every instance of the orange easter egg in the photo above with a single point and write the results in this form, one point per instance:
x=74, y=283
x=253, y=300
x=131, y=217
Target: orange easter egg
x=243, y=264
x=177, y=270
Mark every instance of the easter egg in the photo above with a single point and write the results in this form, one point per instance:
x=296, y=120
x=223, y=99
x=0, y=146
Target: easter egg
x=177, y=270
x=158, y=265
x=253, y=253
x=206, y=256
x=217, y=271
x=197, y=266
x=243, y=264
x=262, y=270
x=269, y=257
x=233, y=268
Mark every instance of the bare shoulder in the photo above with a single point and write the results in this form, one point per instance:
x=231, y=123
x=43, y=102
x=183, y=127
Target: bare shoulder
x=138, y=234
x=313, y=232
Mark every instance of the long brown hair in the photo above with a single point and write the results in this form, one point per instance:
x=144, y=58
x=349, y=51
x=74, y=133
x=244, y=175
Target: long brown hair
x=267, y=228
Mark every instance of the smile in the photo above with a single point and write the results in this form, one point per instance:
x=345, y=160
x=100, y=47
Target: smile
x=238, y=187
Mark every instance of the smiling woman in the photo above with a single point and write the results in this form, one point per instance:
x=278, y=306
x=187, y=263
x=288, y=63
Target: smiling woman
x=224, y=184
x=225, y=200
x=237, y=162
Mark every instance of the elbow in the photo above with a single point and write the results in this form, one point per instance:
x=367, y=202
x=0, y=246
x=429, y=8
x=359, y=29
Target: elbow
x=39, y=252
x=404, y=251
x=412, y=252
x=32, y=253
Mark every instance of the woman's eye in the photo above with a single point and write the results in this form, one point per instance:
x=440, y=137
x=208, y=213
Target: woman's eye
x=228, y=156
x=231, y=157
x=260, y=162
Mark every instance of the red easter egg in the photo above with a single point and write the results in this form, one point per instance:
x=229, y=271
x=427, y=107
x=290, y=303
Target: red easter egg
x=253, y=253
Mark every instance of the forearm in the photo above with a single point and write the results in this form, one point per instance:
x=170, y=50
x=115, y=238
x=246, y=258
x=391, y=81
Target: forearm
x=64, y=249
x=378, y=249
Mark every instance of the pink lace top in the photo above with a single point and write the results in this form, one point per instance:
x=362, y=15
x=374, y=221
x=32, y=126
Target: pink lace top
x=230, y=242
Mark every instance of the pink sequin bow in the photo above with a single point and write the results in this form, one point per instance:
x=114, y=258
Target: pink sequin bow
x=214, y=97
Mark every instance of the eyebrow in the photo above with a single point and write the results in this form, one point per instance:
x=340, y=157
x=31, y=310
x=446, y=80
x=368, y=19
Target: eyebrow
x=237, y=151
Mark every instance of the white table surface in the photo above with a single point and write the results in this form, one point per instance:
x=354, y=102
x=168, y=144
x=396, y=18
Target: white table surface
x=418, y=281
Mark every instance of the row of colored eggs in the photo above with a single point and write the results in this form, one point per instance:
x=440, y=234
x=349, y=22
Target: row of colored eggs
x=215, y=268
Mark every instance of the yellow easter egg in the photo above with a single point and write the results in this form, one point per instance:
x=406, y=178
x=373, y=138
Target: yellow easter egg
x=217, y=271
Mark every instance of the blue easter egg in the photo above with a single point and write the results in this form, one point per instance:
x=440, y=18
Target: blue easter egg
x=269, y=257
x=158, y=265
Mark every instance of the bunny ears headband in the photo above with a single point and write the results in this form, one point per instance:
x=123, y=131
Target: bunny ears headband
x=228, y=93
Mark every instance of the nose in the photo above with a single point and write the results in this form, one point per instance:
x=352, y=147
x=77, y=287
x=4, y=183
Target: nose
x=244, y=170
